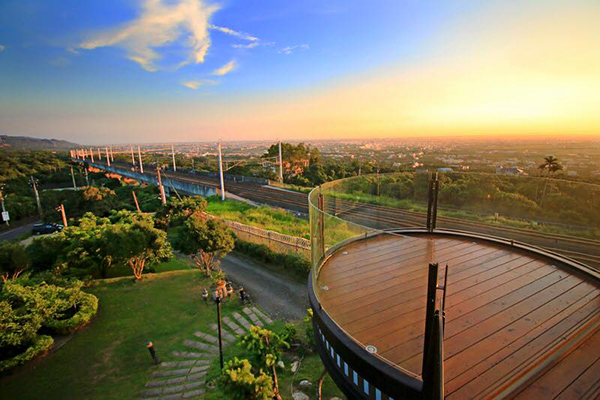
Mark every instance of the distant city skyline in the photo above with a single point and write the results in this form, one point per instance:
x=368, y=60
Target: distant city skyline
x=119, y=71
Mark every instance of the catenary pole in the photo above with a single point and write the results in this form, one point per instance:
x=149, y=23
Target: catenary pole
x=221, y=173
x=140, y=158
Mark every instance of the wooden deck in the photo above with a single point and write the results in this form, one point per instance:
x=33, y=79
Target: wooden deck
x=507, y=311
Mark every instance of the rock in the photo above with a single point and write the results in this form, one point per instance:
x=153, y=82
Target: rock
x=300, y=396
x=305, y=383
x=295, y=366
x=335, y=398
x=280, y=364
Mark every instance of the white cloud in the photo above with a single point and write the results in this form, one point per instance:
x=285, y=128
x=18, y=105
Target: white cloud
x=290, y=49
x=161, y=23
x=2, y=48
x=195, y=84
x=240, y=35
x=225, y=69
x=251, y=45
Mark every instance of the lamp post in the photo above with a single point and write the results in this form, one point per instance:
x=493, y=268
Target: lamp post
x=218, y=299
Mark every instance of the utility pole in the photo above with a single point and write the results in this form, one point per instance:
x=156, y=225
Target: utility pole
x=61, y=209
x=107, y=156
x=280, y=164
x=163, y=197
x=99, y=154
x=137, y=205
x=92, y=154
x=73, y=177
x=173, y=152
x=132, y=157
x=140, y=158
x=37, y=197
x=112, y=157
x=3, y=208
x=221, y=173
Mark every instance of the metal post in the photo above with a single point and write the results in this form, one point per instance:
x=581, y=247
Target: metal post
x=218, y=301
x=137, y=205
x=92, y=154
x=37, y=197
x=280, y=164
x=73, y=177
x=64, y=215
x=132, y=157
x=140, y=159
x=87, y=178
x=112, y=157
x=436, y=187
x=107, y=156
x=163, y=198
x=173, y=152
x=221, y=173
x=321, y=206
x=429, y=313
x=99, y=154
x=152, y=351
x=429, y=203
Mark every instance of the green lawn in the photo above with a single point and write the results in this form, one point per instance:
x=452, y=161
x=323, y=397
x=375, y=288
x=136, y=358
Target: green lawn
x=179, y=262
x=109, y=359
x=262, y=217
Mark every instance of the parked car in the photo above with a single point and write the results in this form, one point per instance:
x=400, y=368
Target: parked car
x=42, y=229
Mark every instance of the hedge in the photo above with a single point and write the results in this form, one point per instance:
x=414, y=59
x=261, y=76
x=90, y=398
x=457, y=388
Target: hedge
x=88, y=306
x=40, y=346
x=295, y=263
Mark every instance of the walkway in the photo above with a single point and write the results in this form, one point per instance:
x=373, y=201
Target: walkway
x=183, y=377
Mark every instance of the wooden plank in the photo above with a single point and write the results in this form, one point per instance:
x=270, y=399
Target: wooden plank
x=415, y=320
x=398, y=285
x=559, y=377
x=481, y=311
x=471, y=382
x=584, y=386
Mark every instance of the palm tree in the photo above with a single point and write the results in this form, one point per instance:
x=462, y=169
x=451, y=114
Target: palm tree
x=550, y=164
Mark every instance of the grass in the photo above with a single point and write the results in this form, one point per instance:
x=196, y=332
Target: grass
x=109, y=359
x=261, y=217
x=310, y=369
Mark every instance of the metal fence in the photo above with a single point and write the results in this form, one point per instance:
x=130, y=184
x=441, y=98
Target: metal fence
x=275, y=241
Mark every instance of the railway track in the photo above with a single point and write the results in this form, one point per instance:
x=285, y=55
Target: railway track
x=385, y=217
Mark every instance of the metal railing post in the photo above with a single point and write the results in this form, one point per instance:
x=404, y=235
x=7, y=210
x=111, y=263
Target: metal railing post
x=429, y=313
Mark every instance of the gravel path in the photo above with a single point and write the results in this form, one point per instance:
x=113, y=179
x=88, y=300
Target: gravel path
x=281, y=296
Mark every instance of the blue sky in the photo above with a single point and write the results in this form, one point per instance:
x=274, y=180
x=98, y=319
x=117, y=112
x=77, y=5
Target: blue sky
x=131, y=70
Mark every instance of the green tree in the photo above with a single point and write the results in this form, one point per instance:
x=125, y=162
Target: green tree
x=176, y=211
x=206, y=240
x=140, y=244
x=550, y=164
x=13, y=260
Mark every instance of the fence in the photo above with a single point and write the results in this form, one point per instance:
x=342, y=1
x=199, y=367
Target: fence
x=275, y=241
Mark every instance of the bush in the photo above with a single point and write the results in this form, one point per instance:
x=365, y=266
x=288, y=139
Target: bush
x=40, y=345
x=87, y=307
x=242, y=384
x=293, y=262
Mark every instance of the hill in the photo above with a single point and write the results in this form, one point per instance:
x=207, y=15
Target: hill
x=29, y=143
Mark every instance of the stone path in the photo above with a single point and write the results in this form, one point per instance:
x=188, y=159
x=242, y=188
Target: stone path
x=184, y=376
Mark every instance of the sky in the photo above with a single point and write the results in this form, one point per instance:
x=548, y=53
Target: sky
x=123, y=71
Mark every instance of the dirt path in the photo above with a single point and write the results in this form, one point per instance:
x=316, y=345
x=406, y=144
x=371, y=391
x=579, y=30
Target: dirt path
x=279, y=295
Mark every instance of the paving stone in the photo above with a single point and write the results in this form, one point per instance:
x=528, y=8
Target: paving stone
x=197, y=376
x=228, y=336
x=173, y=372
x=187, y=363
x=241, y=320
x=190, y=354
x=209, y=338
x=233, y=326
x=262, y=315
x=176, y=380
x=200, y=345
x=199, y=369
x=191, y=386
x=169, y=364
x=194, y=393
x=253, y=317
x=173, y=389
x=171, y=396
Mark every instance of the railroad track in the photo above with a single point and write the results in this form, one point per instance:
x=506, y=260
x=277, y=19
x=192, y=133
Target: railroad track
x=385, y=217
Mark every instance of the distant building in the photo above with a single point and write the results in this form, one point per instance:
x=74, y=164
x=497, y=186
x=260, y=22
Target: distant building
x=445, y=169
x=509, y=171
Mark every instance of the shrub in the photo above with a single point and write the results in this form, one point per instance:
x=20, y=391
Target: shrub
x=87, y=307
x=40, y=345
x=293, y=262
x=242, y=384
